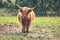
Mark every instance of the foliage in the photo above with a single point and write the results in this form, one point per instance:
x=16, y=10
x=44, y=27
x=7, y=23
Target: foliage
x=42, y=7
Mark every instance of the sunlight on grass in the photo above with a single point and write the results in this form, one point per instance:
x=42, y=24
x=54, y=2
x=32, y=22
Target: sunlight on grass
x=51, y=22
x=8, y=20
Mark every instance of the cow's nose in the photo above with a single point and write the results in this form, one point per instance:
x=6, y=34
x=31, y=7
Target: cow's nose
x=24, y=15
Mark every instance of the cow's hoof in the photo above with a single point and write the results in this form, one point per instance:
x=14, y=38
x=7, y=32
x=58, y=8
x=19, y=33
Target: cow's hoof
x=27, y=31
x=23, y=32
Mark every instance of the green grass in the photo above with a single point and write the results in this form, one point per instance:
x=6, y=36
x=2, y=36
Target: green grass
x=51, y=22
x=14, y=38
x=8, y=20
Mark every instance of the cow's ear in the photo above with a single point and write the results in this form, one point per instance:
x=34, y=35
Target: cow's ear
x=29, y=11
x=21, y=10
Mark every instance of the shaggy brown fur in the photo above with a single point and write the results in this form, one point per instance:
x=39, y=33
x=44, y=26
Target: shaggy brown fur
x=25, y=16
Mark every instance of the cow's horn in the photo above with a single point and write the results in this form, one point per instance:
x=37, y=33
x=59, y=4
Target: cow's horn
x=32, y=8
x=19, y=6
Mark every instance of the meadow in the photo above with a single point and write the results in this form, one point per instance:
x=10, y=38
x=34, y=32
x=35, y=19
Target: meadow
x=53, y=23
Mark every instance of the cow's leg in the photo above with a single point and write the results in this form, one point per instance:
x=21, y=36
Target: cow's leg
x=27, y=27
x=23, y=29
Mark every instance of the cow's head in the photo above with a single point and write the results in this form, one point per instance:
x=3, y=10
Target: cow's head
x=25, y=10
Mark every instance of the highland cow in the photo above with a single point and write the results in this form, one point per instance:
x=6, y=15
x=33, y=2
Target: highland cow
x=25, y=16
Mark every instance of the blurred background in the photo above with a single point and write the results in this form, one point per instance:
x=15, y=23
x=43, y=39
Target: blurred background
x=42, y=7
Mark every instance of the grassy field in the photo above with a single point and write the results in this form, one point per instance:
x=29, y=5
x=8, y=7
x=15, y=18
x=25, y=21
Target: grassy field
x=52, y=23
x=38, y=21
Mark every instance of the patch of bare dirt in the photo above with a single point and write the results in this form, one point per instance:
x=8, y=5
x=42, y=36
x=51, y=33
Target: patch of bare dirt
x=36, y=33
